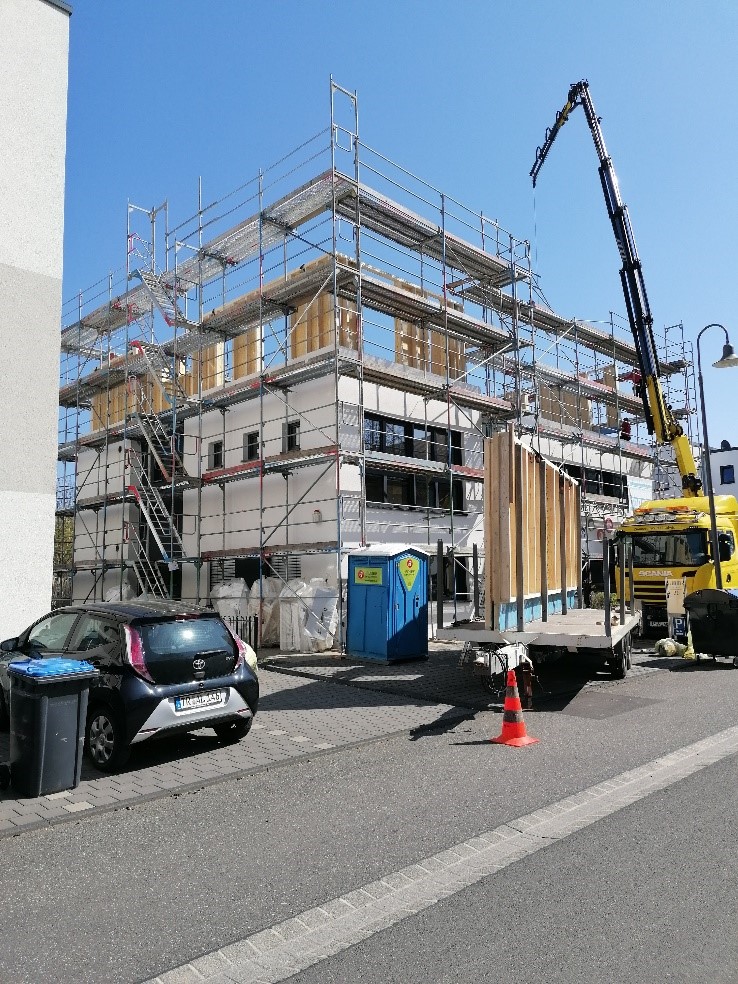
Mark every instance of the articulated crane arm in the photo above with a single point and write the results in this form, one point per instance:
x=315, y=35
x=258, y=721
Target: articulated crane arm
x=659, y=417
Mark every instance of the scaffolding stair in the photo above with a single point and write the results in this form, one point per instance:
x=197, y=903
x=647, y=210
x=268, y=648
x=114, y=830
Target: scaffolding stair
x=159, y=438
x=162, y=446
x=164, y=297
x=149, y=579
x=162, y=370
x=154, y=511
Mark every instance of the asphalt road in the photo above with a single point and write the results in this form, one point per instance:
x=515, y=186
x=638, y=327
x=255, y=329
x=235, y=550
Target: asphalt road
x=646, y=894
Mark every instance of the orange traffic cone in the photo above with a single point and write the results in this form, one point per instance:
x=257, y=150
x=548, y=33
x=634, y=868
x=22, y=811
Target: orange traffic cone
x=513, y=725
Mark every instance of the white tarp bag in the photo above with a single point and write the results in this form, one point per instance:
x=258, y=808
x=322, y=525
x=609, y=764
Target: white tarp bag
x=118, y=593
x=230, y=598
x=292, y=616
x=320, y=616
x=266, y=608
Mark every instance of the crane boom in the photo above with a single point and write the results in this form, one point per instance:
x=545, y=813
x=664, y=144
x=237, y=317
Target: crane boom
x=659, y=417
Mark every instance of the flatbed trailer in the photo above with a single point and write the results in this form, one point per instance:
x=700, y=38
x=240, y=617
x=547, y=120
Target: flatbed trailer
x=581, y=632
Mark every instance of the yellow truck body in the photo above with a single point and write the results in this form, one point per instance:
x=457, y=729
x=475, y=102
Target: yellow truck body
x=670, y=538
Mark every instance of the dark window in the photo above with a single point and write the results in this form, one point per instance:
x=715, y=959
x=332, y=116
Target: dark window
x=51, y=633
x=592, y=481
x=372, y=434
x=409, y=490
x=394, y=437
x=215, y=455
x=411, y=440
x=612, y=485
x=727, y=475
x=420, y=443
x=574, y=470
x=438, y=450
x=443, y=494
x=374, y=487
x=192, y=636
x=251, y=446
x=456, y=456
x=93, y=632
x=291, y=436
x=687, y=549
x=399, y=490
x=422, y=491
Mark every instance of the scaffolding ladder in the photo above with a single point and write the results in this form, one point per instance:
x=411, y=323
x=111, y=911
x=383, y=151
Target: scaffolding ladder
x=154, y=511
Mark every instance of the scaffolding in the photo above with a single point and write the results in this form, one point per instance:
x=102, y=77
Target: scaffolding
x=342, y=325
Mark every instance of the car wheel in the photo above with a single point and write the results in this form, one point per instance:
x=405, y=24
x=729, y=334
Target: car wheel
x=104, y=739
x=4, y=714
x=233, y=730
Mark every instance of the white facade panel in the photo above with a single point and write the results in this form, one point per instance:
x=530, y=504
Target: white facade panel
x=34, y=46
x=724, y=470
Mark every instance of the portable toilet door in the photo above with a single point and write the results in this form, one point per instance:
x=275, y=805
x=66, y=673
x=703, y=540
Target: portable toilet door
x=369, y=616
x=409, y=611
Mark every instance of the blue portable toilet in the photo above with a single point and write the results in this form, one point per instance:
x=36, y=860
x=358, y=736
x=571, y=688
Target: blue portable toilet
x=387, y=604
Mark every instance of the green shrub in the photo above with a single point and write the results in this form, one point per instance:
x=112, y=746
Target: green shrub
x=597, y=600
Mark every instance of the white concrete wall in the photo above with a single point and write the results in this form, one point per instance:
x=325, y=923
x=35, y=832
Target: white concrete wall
x=232, y=516
x=34, y=49
x=720, y=460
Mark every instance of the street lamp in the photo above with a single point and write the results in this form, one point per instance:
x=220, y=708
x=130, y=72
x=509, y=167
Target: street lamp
x=728, y=358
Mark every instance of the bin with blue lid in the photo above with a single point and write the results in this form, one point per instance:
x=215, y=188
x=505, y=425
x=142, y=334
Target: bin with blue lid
x=387, y=604
x=48, y=710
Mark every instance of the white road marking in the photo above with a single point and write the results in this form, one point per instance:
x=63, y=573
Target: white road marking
x=288, y=947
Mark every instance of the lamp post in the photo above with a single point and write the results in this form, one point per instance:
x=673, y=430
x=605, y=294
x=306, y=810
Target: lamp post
x=728, y=358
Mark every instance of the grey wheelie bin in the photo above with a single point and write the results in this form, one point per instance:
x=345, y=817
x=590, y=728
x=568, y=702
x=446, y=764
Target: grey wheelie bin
x=48, y=710
x=713, y=622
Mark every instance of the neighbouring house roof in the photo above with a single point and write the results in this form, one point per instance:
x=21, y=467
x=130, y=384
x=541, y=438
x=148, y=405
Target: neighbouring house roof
x=67, y=8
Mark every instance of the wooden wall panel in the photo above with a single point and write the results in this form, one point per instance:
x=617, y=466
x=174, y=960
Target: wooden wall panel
x=246, y=354
x=410, y=344
x=540, y=496
x=311, y=325
x=562, y=405
x=212, y=361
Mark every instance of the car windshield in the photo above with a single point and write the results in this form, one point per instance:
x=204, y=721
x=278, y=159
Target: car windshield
x=678, y=549
x=187, y=636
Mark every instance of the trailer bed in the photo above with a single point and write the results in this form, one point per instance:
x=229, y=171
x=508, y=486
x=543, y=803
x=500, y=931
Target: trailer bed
x=580, y=628
x=579, y=634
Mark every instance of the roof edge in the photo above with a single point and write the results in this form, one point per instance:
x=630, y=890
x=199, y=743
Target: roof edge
x=60, y=5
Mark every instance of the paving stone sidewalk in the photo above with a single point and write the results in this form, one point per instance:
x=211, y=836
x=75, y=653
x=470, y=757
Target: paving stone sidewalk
x=298, y=717
x=310, y=705
x=442, y=678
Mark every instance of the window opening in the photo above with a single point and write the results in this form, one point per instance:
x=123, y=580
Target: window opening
x=215, y=455
x=251, y=446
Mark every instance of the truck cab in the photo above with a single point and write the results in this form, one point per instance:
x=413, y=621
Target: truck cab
x=670, y=538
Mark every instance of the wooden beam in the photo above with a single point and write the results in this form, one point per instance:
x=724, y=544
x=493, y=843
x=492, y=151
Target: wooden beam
x=519, y=536
x=543, y=534
x=562, y=540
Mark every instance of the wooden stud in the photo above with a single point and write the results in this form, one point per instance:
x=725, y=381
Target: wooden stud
x=543, y=535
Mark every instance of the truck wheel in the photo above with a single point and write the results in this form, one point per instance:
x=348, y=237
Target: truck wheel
x=735, y=662
x=620, y=663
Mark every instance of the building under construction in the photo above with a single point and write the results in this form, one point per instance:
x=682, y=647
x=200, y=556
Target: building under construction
x=309, y=365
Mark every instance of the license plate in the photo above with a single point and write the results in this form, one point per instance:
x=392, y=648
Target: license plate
x=192, y=702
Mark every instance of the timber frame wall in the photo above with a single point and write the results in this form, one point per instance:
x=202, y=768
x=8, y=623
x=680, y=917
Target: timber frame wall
x=334, y=265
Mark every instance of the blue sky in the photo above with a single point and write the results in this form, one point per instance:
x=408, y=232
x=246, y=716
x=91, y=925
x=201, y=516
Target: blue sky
x=161, y=93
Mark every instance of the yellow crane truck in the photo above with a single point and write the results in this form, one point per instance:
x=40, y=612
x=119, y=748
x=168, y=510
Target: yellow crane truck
x=664, y=538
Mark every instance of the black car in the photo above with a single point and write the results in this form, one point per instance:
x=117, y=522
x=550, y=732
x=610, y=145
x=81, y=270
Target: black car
x=164, y=667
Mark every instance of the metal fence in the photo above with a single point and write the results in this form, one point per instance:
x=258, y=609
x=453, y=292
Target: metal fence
x=245, y=627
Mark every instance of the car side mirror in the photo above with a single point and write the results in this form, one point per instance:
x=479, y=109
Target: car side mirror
x=9, y=645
